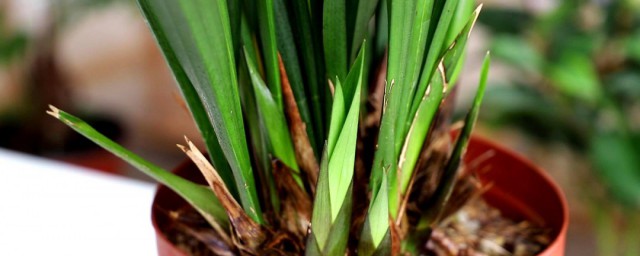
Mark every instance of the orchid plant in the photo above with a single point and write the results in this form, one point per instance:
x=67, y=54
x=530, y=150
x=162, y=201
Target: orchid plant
x=300, y=148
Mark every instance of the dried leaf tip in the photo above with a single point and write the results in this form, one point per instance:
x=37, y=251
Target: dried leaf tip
x=54, y=112
x=476, y=14
x=199, y=159
x=332, y=88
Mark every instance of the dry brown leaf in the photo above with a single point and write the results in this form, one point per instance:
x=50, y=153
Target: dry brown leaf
x=396, y=238
x=298, y=129
x=295, y=215
x=332, y=88
x=250, y=234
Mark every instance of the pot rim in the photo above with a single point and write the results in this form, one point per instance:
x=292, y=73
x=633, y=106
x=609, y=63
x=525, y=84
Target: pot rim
x=558, y=240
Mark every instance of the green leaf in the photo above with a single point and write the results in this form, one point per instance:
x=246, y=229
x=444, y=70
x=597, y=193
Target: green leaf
x=335, y=38
x=418, y=126
x=287, y=47
x=338, y=114
x=311, y=53
x=342, y=155
x=200, y=197
x=342, y=160
x=616, y=162
x=376, y=225
x=436, y=48
x=460, y=19
x=339, y=233
x=518, y=52
x=381, y=30
x=411, y=66
x=258, y=137
x=454, y=56
x=195, y=105
x=273, y=118
x=632, y=46
x=416, y=137
x=575, y=75
x=332, y=206
x=364, y=13
x=321, y=217
x=329, y=236
x=445, y=187
x=199, y=34
x=267, y=24
x=386, y=156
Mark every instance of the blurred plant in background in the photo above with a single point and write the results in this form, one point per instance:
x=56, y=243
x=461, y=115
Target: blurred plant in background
x=38, y=80
x=577, y=82
x=12, y=43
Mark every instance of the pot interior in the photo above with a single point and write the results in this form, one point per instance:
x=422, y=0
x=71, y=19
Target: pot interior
x=515, y=186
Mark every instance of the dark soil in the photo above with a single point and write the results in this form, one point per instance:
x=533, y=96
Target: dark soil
x=190, y=232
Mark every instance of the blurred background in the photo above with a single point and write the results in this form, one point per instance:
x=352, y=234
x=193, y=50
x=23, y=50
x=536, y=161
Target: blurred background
x=564, y=91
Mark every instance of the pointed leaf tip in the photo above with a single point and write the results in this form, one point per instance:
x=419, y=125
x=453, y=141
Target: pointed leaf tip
x=53, y=111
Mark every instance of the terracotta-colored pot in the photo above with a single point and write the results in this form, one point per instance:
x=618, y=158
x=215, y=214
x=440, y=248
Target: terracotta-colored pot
x=96, y=159
x=518, y=188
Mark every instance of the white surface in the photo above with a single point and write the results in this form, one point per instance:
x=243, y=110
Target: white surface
x=51, y=208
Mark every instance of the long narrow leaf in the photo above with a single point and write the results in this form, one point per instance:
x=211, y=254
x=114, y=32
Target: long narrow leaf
x=311, y=53
x=401, y=15
x=445, y=187
x=267, y=24
x=460, y=19
x=366, y=9
x=437, y=43
x=342, y=155
x=454, y=57
x=195, y=29
x=328, y=236
x=193, y=102
x=332, y=206
x=376, y=225
x=258, y=138
x=289, y=57
x=414, y=141
x=421, y=122
x=412, y=65
x=274, y=120
x=335, y=38
x=200, y=197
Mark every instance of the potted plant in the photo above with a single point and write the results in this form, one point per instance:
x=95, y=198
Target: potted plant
x=328, y=135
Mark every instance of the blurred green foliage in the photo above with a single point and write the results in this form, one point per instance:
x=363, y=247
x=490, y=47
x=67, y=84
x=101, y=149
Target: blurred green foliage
x=577, y=81
x=13, y=44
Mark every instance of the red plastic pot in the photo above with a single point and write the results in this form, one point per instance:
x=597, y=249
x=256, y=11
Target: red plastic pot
x=517, y=187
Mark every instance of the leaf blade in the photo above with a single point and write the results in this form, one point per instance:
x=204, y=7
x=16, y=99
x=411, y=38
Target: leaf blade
x=276, y=123
x=267, y=25
x=202, y=199
x=213, y=77
x=335, y=39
